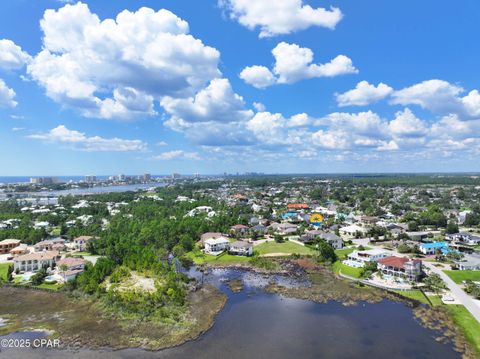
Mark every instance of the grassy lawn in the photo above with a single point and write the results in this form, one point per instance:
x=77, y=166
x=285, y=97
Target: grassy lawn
x=338, y=267
x=419, y=296
x=458, y=276
x=468, y=324
x=51, y=286
x=77, y=254
x=343, y=253
x=201, y=258
x=286, y=247
x=4, y=270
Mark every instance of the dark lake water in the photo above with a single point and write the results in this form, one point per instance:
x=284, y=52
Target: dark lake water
x=255, y=324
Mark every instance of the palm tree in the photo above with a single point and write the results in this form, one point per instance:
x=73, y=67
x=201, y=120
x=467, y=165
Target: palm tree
x=63, y=268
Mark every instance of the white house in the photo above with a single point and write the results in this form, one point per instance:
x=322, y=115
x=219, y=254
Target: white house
x=33, y=262
x=81, y=242
x=359, y=258
x=351, y=230
x=241, y=248
x=216, y=245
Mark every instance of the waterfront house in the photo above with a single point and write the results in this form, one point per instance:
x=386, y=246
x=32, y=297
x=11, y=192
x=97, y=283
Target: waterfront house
x=241, y=248
x=359, y=258
x=33, y=262
x=216, y=245
x=8, y=244
x=70, y=268
x=209, y=235
x=400, y=268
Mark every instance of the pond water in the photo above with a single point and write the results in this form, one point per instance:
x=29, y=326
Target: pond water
x=255, y=324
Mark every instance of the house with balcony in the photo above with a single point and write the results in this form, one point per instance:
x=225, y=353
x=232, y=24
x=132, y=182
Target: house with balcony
x=358, y=259
x=400, y=268
x=241, y=248
x=8, y=244
x=216, y=246
x=33, y=262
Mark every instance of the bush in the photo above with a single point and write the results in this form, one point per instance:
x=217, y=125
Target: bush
x=119, y=274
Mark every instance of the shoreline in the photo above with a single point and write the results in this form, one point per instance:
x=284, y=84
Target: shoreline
x=325, y=286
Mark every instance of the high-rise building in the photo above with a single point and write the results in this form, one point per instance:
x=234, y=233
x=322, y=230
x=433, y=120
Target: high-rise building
x=43, y=180
x=147, y=177
x=90, y=178
x=176, y=175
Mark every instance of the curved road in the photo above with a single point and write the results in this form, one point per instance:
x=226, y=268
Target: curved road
x=463, y=297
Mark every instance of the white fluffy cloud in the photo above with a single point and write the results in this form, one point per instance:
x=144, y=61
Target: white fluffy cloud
x=280, y=16
x=433, y=95
x=364, y=94
x=273, y=128
x=80, y=141
x=176, y=155
x=440, y=96
x=217, y=102
x=406, y=124
x=7, y=95
x=258, y=76
x=294, y=63
x=12, y=57
x=116, y=68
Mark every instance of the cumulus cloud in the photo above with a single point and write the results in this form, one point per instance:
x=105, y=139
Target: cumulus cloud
x=176, y=155
x=274, y=128
x=363, y=94
x=116, y=68
x=294, y=63
x=433, y=95
x=80, y=141
x=7, y=95
x=280, y=16
x=12, y=57
x=406, y=124
x=217, y=102
x=258, y=76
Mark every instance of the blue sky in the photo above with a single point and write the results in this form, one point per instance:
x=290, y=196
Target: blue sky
x=235, y=85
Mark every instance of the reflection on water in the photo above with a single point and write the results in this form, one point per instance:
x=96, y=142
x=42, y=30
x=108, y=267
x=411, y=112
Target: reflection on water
x=255, y=324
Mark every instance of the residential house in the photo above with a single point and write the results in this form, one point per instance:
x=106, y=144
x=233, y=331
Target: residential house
x=331, y=238
x=241, y=248
x=19, y=250
x=469, y=262
x=432, y=248
x=33, y=262
x=239, y=229
x=417, y=236
x=352, y=230
x=297, y=206
x=45, y=245
x=209, y=235
x=216, y=245
x=401, y=268
x=70, y=268
x=8, y=244
x=359, y=258
x=81, y=242
x=464, y=237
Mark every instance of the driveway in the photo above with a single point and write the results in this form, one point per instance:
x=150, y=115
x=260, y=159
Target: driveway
x=463, y=297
